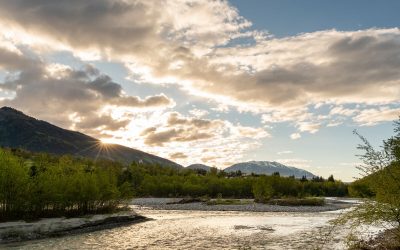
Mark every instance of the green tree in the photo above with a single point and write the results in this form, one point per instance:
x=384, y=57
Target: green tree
x=381, y=177
x=263, y=190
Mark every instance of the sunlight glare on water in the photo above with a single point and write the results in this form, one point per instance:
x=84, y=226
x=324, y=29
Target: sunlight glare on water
x=202, y=230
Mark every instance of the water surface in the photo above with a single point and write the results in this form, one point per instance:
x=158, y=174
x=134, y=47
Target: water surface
x=206, y=229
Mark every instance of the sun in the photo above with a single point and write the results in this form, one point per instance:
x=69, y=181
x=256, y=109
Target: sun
x=104, y=141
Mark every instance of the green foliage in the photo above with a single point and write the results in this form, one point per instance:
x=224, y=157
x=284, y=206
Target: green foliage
x=157, y=181
x=381, y=182
x=263, y=190
x=39, y=185
x=361, y=188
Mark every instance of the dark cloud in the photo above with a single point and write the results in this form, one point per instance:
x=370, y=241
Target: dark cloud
x=187, y=43
x=12, y=60
x=175, y=119
x=105, y=122
x=70, y=97
x=178, y=135
x=151, y=101
x=182, y=129
x=178, y=155
x=118, y=25
x=104, y=85
x=161, y=137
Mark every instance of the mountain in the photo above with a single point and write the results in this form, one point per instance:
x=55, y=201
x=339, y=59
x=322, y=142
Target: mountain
x=199, y=166
x=18, y=130
x=268, y=168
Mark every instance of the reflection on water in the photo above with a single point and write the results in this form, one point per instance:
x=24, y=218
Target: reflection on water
x=201, y=230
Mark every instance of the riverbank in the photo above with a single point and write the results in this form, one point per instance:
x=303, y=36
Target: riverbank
x=247, y=205
x=21, y=231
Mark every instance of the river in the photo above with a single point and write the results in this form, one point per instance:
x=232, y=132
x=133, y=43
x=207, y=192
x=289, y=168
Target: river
x=171, y=229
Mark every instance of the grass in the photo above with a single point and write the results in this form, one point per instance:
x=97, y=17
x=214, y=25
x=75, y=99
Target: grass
x=298, y=202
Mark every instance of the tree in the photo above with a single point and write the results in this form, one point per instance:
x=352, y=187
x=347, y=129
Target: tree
x=262, y=189
x=381, y=177
x=276, y=174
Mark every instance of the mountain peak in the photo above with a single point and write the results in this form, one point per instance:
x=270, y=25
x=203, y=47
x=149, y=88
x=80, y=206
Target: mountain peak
x=7, y=109
x=268, y=168
x=18, y=130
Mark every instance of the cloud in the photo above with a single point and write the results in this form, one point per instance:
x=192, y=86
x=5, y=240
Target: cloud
x=12, y=58
x=72, y=98
x=210, y=141
x=178, y=155
x=340, y=110
x=370, y=117
x=120, y=27
x=334, y=124
x=309, y=127
x=295, y=136
x=192, y=44
x=198, y=112
x=150, y=101
x=284, y=152
x=160, y=137
x=182, y=129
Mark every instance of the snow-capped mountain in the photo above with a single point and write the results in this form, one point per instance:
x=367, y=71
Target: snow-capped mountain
x=268, y=168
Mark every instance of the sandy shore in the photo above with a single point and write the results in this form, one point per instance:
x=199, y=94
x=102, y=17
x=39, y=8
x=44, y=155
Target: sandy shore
x=163, y=204
x=20, y=230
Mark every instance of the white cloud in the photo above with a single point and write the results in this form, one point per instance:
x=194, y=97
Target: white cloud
x=210, y=141
x=309, y=127
x=295, y=136
x=340, y=110
x=334, y=123
x=370, y=117
x=284, y=152
x=198, y=112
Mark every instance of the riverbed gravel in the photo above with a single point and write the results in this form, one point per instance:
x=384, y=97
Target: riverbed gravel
x=164, y=204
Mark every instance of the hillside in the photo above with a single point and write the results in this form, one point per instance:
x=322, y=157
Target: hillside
x=199, y=166
x=268, y=168
x=18, y=130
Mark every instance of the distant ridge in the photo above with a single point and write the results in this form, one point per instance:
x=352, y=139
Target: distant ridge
x=199, y=166
x=268, y=168
x=18, y=130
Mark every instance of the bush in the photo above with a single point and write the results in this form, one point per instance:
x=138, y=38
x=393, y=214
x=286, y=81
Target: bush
x=262, y=190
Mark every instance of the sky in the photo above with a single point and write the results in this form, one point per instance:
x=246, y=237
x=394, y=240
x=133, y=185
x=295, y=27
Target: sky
x=212, y=82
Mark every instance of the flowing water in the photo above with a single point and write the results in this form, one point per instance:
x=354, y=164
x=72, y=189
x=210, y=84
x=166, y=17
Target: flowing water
x=207, y=230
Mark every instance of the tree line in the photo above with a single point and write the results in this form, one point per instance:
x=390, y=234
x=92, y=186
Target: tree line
x=157, y=181
x=34, y=185
x=40, y=185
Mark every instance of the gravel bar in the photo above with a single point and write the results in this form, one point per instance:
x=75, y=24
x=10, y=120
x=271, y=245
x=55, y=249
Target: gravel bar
x=16, y=231
x=162, y=204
